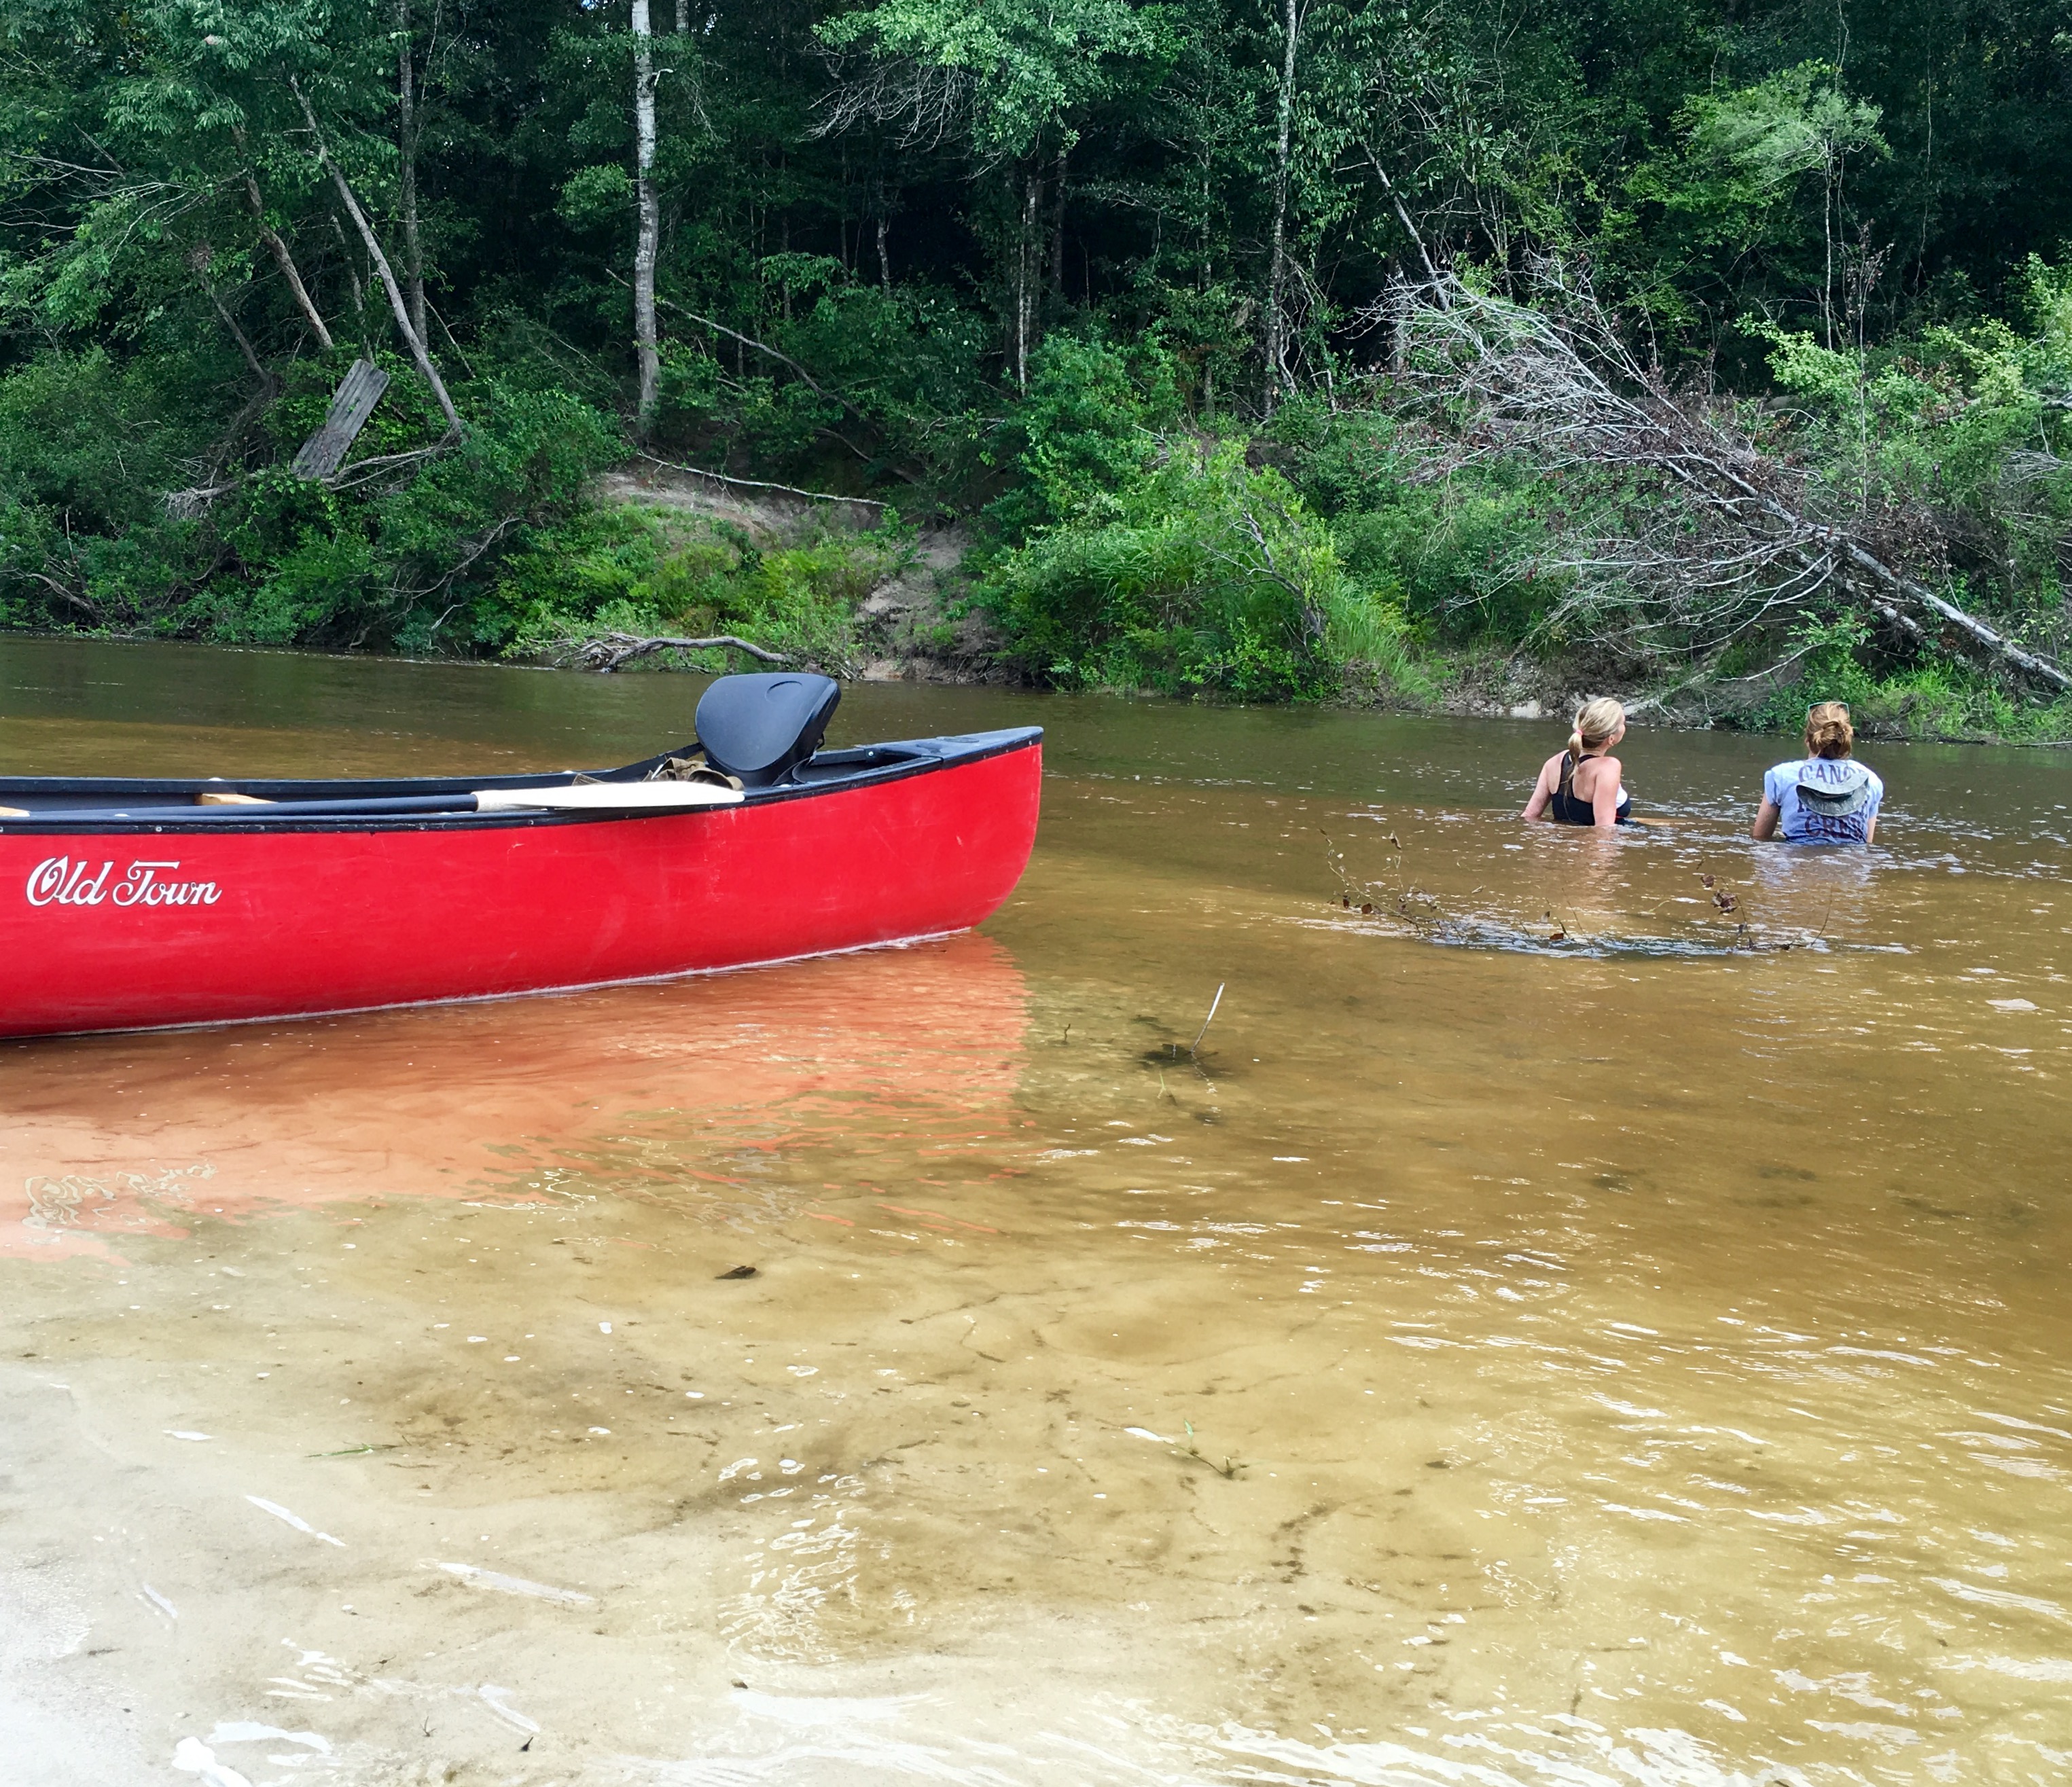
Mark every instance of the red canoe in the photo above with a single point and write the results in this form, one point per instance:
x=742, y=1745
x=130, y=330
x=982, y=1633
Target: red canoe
x=128, y=905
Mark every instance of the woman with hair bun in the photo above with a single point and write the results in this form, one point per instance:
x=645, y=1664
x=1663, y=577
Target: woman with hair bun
x=1580, y=785
x=1825, y=797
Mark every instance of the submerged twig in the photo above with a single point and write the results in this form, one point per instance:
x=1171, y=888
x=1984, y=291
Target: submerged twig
x=1228, y=1470
x=1405, y=898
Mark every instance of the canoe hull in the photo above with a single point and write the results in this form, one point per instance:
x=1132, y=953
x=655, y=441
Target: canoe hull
x=122, y=929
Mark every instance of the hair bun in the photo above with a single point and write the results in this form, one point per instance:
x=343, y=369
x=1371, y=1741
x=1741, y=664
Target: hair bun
x=1828, y=732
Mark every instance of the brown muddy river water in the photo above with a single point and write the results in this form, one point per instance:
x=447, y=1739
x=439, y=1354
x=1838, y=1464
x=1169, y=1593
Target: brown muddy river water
x=1640, y=1357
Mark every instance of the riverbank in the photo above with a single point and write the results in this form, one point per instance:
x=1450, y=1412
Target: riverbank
x=910, y=608
x=844, y=583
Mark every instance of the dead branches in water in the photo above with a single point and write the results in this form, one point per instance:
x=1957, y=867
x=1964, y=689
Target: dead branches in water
x=1684, y=534
x=610, y=652
x=1405, y=901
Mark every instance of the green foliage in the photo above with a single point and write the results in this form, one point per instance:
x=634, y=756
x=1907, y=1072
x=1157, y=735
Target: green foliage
x=1965, y=420
x=1758, y=180
x=86, y=446
x=659, y=572
x=1450, y=549
x=1200, y=575
x=1081, y=435
x=1749, y=146
x=600, y=196
x=88, y=450
x=1009, y=72
x=1935, y=700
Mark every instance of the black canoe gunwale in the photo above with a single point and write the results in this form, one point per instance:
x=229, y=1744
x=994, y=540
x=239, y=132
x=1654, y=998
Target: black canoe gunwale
x=828, y=772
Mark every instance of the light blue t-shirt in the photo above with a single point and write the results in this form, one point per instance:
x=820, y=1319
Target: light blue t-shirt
x=1823, y=800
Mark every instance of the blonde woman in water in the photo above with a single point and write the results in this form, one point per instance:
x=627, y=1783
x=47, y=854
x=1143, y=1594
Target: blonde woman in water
x=1580, y=785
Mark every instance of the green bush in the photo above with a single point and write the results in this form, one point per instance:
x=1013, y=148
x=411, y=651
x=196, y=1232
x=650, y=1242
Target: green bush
x=87, y=447
x=1452, y=549
x=1081, y=434
x=1200, y=576
x=656, y=571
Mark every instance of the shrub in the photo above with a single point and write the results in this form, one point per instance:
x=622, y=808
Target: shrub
x=1201, y=575
x=657, y=571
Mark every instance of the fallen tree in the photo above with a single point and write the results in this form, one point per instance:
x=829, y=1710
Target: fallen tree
x=1682, y=534
x=615, y=650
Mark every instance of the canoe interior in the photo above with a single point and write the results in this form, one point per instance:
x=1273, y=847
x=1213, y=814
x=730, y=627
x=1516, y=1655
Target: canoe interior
x=156, y=802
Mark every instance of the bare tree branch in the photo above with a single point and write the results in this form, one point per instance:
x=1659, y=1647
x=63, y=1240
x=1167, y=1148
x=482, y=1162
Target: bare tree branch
x=1692, y=535
x=926, y=103
x=811, y=382
x=243, y=344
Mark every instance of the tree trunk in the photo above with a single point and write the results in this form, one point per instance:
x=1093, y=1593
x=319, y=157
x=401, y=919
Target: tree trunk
x=1025, y=234
x=286, y=262
x=1403, y=217
x=352, y=272
x=884, y=259
x=414, y=341
x=406, y=157
x=683, y=18
x=1828, y=255
x=244, y=346
x=1277, y=278
x=648, y=236
x=1058, y=224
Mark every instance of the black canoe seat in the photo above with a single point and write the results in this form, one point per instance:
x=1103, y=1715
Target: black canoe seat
x=762, y=728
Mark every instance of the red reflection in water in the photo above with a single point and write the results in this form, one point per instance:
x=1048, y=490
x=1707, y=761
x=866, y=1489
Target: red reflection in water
x=646, y=1090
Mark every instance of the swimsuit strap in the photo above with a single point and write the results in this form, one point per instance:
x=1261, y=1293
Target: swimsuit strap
x=1575, y=763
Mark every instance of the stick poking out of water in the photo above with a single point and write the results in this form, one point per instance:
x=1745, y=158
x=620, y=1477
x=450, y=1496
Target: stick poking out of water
x=1210, y=1019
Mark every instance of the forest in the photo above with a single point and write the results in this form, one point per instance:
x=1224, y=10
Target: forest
x=1717, y=352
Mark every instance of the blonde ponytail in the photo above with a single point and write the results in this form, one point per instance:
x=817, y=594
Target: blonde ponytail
x=1596, y=722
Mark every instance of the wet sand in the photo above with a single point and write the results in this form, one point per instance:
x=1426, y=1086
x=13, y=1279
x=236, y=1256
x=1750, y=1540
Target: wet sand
x=1634, y=1357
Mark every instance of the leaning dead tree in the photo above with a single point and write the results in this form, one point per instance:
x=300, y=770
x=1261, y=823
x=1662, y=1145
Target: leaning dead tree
x=415, y=342
x=615, y=650
x=1682, y=533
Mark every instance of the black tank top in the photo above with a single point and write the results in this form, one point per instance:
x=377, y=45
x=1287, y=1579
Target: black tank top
x=1567, y=807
